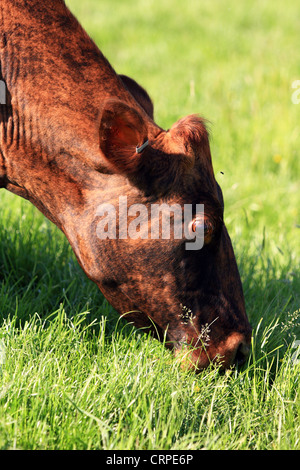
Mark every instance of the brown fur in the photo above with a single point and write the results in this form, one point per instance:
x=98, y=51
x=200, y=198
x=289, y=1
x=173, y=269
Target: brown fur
x=139, y=93
x=68, y=137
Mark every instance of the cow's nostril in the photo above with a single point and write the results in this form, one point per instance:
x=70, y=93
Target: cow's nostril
x=235, y=350
x=242, y=354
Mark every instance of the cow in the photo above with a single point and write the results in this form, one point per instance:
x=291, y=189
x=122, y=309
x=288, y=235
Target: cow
x=75, y=135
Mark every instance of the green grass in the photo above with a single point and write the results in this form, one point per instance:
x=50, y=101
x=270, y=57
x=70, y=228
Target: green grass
x=76, y=377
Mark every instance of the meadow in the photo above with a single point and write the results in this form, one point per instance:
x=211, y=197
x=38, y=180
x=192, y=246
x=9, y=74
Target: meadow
x=75, y=376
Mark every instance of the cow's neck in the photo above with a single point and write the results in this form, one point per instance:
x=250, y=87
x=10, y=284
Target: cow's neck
x=57, y=81
x=68, y=192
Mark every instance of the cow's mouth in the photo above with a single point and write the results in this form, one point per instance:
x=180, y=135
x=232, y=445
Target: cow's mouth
x=234, y=351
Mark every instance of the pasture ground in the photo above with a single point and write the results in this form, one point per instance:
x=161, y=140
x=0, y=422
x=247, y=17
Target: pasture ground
x=73, y=376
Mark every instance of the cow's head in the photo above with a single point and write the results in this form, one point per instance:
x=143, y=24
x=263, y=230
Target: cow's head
x=191, y=297
x=52, y=131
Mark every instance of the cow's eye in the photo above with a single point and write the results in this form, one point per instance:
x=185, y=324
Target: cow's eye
x=205, y=224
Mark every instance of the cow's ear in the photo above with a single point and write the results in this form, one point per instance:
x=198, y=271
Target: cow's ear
x=122, y=131
x=139, y=93
x=191, y=133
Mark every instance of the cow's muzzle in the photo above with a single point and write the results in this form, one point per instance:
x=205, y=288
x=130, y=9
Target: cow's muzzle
x=233, y=351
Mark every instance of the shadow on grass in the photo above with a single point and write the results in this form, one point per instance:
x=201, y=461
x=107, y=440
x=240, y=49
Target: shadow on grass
x=39, y=274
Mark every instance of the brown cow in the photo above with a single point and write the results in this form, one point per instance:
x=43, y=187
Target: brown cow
x=74, y=136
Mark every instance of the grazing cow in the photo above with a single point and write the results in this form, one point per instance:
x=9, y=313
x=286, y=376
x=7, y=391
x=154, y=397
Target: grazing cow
x=75, y=136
